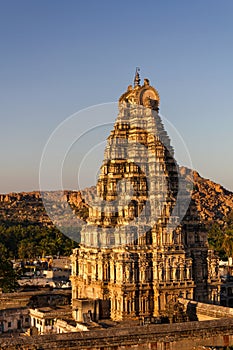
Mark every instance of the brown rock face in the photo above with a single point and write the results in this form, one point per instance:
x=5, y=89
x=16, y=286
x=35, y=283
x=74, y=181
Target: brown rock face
x=211, y=200
x=28, y=208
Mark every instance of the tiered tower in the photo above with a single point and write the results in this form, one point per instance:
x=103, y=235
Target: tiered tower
x=133, y=258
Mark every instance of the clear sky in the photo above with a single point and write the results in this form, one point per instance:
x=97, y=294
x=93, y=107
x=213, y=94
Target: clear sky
x=58, y=57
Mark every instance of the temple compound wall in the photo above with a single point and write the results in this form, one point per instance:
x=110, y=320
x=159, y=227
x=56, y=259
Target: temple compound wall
x=186, y=336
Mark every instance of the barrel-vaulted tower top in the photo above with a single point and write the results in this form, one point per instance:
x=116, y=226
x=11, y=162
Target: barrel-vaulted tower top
x=145, y=95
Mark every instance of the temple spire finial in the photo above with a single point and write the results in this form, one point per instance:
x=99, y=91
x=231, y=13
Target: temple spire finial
x=137, y=77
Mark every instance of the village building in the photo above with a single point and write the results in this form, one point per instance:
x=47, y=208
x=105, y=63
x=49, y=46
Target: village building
x=15, y=308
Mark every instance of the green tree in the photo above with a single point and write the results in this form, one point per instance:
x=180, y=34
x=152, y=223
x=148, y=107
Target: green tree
x=220, y=237
x=26, y=249
x=47, y=246
x=8, y=276
x=215, y=239
x=3, y=251
x=28, y=241
x=228, y=243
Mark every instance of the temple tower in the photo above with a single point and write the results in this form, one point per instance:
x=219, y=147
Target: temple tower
x=133, y=257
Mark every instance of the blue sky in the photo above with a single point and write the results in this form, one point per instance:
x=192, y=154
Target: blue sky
x=58, y=57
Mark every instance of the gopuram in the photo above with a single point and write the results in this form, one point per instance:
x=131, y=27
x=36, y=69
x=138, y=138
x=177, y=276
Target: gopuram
x=143, y=246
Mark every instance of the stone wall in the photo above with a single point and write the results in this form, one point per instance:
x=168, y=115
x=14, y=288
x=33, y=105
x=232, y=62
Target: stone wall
x=183, y=336
x=197, y=309
x=34, y=299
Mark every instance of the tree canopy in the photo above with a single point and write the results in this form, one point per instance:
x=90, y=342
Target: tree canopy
x=26, y=242
x=8, y=276
x=220, y=237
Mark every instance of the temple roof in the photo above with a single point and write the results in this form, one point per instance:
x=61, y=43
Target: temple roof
x=145, y=95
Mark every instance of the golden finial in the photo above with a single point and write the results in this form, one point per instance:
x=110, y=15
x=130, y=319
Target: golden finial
x=137, y=77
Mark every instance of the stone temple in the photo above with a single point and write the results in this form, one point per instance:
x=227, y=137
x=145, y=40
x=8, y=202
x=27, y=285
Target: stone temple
x=143, y=246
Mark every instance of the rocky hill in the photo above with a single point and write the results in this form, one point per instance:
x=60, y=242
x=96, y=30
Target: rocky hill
x=27, y=208
x=211, y=200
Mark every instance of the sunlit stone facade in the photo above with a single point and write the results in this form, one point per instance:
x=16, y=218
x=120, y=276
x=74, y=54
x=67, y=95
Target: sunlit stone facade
x=136, y=253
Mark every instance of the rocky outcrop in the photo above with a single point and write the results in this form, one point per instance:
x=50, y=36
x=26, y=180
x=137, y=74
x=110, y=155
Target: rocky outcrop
x=212, y=202
x=28, y=208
